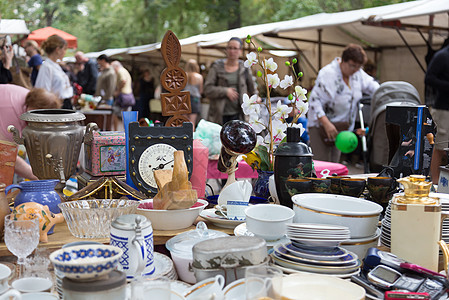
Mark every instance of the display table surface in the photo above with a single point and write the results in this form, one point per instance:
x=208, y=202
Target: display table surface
x=245, y=171
x=62, y=236
x=102, y=117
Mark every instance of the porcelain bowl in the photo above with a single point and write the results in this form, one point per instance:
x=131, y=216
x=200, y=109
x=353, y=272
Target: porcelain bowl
x=268, y=221
x=360, y=216
x=162, y=219
x=86, y=261
x=92, y=218
x=360, y=246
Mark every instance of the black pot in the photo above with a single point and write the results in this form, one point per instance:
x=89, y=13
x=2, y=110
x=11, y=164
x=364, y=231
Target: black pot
x=293, y=159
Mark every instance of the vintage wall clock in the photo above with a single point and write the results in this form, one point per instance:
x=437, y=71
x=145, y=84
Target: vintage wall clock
x=152, y=148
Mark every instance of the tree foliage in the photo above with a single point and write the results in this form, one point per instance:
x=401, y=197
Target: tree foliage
x=102, y=24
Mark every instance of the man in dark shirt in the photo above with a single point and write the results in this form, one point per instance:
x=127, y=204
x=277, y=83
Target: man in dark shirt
x=437, y=76
x=88, y=73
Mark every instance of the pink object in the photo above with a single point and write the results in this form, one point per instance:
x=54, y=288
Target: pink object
x=337, y=168
x=245, y=171
x=12, y=106
x=200, y=168
x=106, y=154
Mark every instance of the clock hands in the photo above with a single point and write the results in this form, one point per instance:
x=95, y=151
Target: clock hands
x=161, y=166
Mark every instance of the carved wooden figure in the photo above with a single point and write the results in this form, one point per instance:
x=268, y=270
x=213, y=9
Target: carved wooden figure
x=175, y=103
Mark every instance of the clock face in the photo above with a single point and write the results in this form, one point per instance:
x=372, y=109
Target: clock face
x=155, y=157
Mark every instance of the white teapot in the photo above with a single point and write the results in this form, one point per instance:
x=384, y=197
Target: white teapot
x=134, y=235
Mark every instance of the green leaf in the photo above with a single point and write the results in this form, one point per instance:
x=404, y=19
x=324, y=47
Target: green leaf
x=265, y=164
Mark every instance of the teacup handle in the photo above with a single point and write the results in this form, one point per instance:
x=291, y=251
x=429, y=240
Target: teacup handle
x=220, y=280
x=11, y=293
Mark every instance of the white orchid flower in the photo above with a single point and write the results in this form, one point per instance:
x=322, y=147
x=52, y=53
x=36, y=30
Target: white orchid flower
x=281, y=111
x=250, y=105
x=301, y=93
x=273, y=80
x=261, y=141
x=257, y=123
x=286, y=82
x=270, y=64
x=302, y=107
x=278, y=129
x=251, y=59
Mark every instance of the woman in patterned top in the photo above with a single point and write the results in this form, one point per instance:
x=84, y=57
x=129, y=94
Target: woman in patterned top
x=333, y=100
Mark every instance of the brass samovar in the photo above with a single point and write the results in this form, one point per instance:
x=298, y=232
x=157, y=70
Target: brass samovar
x=52, y=139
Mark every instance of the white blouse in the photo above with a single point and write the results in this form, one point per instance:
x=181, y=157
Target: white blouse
x=333, y=98
x=52, y=78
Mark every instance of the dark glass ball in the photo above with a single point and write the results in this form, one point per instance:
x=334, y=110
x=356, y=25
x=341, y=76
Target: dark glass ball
x=238, y=136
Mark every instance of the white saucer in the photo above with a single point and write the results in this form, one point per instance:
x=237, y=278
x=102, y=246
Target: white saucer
x=209, y=215
x=241, y=230
x=163, y=266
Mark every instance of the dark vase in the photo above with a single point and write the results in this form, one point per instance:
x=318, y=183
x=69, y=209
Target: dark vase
x=261, y=188
x=293, y=159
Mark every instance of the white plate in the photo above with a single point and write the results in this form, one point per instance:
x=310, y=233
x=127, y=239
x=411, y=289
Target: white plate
x=163, y=265
x=349, y=259
x=313, y=226
x=312, y=286
x=345, y=236
x=317, y=242
x=316, y=269
x=340, y=252
x=241, y=230
x=209, y=215
x=293, y=271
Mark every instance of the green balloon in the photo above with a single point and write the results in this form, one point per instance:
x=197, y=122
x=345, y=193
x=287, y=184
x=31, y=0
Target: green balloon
x=346, y=141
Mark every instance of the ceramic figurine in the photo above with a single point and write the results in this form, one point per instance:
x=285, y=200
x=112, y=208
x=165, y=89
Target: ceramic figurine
x=47, y=219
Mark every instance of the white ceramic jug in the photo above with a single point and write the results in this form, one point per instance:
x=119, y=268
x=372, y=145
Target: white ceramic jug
x=134, y=235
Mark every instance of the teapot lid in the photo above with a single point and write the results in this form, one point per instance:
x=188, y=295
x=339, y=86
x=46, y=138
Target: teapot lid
x=128, y=222
x=183, y=243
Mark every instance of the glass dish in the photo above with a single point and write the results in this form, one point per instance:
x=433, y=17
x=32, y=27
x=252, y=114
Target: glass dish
x=92, y=218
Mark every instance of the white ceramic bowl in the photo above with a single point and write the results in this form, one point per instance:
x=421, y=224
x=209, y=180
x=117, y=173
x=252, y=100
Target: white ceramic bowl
x=162, y=219
x=361, y=246
x=86, y=261
x=268, y=221
x=360, y=216
x=32, y=284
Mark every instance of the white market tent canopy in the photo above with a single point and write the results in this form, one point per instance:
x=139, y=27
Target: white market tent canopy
x=395, y=37
x=13, y=27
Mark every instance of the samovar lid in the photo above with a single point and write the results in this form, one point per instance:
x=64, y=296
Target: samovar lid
x=52, y=115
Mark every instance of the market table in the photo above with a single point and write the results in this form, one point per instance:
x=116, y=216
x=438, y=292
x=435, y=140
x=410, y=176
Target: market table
x=62, y=236
x=102, y=117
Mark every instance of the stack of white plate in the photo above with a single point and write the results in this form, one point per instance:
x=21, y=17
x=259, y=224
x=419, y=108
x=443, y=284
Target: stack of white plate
x=385, y=237
x=315, y=248
x=319, y=235
x=445, y=208
x=163, y=266
x=334, y=261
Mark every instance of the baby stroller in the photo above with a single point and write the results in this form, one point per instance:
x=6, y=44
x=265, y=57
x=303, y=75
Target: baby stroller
x=379, y=146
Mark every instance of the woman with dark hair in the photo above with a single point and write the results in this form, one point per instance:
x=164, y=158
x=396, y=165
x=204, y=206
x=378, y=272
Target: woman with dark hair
x=333, y=100
x=51, y=76
x=226, y=82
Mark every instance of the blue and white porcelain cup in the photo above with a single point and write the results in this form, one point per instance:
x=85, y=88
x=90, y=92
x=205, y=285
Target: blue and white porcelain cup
x=234, y=210
x=134, y=235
